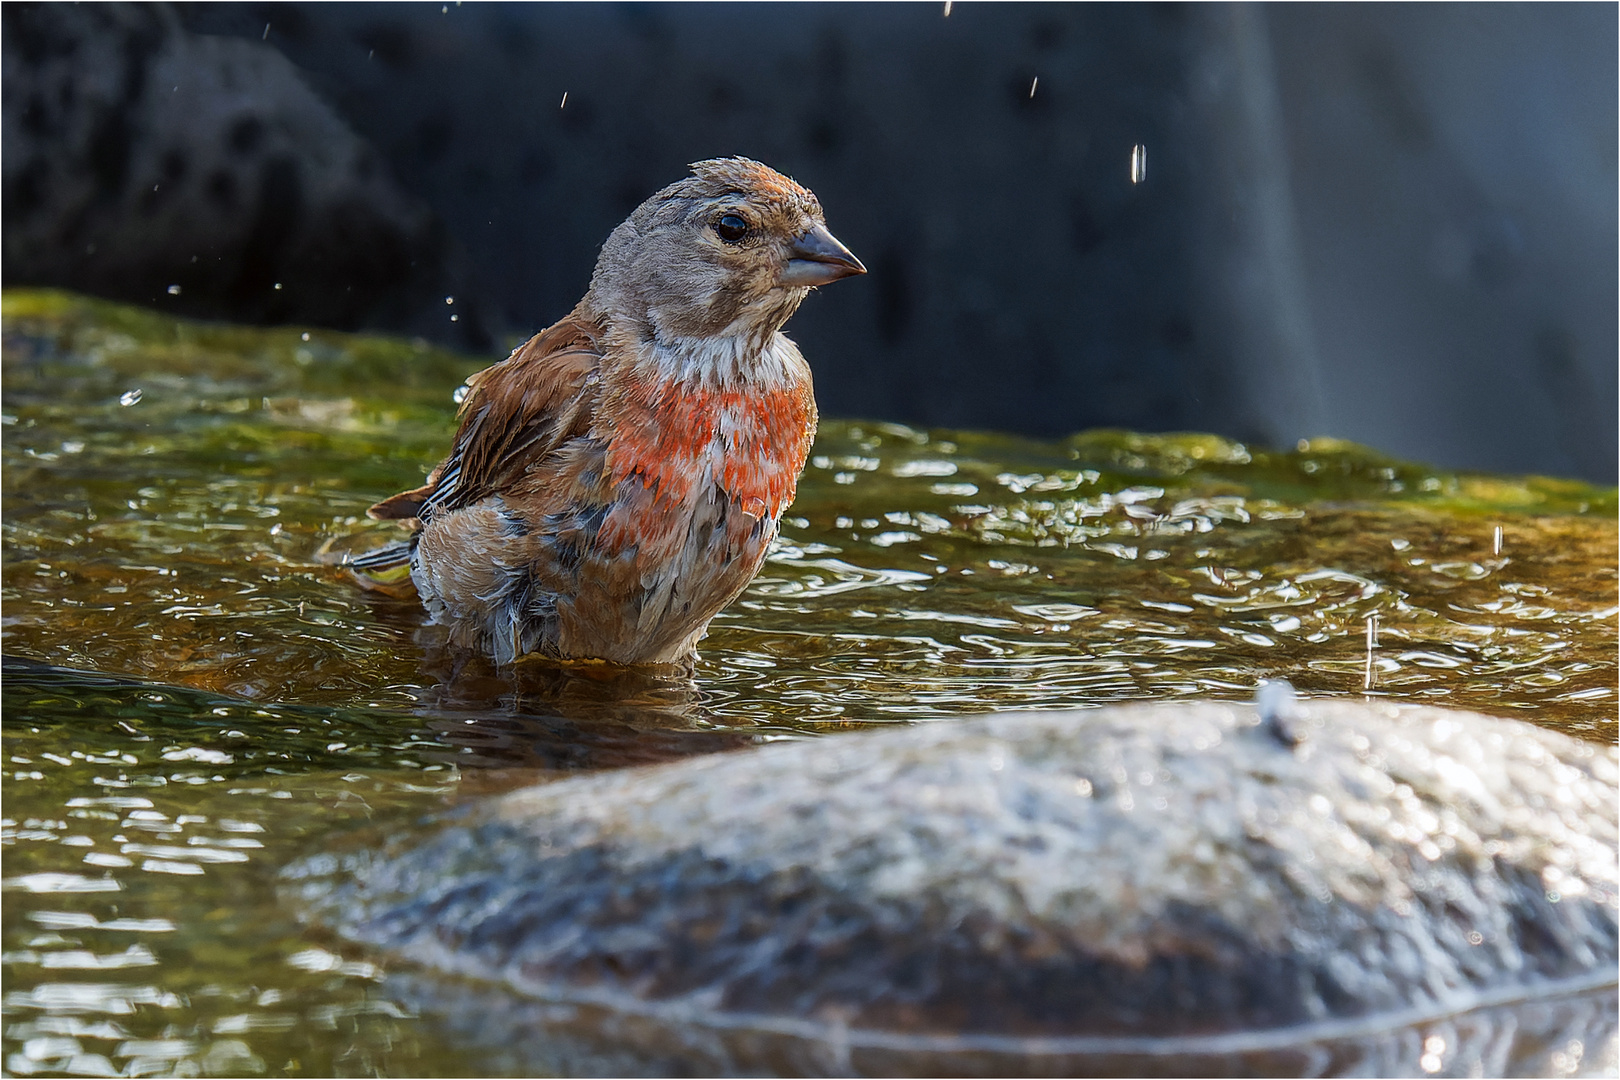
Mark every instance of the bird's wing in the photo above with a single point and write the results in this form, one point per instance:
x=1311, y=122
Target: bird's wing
x=516, y=413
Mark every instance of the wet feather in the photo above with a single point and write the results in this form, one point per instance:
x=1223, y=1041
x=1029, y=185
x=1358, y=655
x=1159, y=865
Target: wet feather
x=617, y=480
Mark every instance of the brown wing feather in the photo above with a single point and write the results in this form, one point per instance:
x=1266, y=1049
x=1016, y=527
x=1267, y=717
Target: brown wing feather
x=405, y=505
x=516, y=412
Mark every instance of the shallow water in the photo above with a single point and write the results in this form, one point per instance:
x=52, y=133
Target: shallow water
x=249, y=701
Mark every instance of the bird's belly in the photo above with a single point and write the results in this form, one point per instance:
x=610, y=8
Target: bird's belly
x=697, y=494
x=651, y=601
x=627, y=557
x=558, y=590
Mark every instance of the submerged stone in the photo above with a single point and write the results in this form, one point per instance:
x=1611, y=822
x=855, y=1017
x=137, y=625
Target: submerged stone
x=1333, y=887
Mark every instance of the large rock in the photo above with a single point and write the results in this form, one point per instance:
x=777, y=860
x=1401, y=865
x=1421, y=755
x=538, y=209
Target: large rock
x=202, y=175
x=1194, y=888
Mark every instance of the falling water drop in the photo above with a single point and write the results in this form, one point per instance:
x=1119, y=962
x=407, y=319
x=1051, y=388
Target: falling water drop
x=129, y=397
x=1370, y=676
x=174, y=290
x=947, y=8
x=1138, y=163
x=461, y=393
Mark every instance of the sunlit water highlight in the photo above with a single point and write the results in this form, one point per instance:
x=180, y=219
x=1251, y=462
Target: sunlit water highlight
x=166, y=488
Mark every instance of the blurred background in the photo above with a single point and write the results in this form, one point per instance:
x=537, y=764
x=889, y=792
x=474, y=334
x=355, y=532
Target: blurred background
x=1388, y=223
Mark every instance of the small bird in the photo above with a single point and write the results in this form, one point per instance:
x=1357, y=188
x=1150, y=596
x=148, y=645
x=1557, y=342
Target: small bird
x=616, y=481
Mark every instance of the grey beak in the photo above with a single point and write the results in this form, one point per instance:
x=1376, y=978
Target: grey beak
x=817, y=258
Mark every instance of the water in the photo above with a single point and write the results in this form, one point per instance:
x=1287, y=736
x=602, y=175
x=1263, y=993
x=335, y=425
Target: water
x=249, y=701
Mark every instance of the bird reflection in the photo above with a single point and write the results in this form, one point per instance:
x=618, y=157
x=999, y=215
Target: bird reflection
x=554, y=718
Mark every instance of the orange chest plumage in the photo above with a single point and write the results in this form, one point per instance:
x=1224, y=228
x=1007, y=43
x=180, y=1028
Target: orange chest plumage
x=678, y=443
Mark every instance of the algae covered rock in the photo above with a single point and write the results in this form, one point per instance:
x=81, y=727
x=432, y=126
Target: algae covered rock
x=1349, y=887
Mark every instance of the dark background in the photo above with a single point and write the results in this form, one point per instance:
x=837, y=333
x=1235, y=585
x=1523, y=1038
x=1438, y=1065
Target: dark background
x=1390, y=223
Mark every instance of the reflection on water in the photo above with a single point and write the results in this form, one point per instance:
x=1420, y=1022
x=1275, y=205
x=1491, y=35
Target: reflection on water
x=247, y=701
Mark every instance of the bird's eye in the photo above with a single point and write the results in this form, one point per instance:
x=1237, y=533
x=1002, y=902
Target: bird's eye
x=731, y=228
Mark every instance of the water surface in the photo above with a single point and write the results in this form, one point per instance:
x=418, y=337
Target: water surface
x=192, y=697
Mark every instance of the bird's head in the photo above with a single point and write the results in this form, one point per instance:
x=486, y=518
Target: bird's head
x=731, y=250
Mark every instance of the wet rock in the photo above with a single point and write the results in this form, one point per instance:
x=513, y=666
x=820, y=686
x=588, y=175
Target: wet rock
x=201, y=174
x=1147, y=889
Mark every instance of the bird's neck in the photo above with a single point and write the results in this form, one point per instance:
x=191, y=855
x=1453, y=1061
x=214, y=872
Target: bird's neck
x=747, y=358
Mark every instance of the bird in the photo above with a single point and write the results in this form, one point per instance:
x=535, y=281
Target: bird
x=617, y=480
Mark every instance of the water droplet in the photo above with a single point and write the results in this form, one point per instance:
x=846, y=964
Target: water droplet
x=1033, y=84
x=461, y=393
x=174, y=290
x=1369, y=677
x=449, y=300
x=129, y=397
x=278, y=286
x=947, y=8
x=564, y=100
x=304, y=336
x=1138, y=163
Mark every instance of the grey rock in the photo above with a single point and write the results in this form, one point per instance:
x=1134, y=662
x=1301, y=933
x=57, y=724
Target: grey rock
x=201, y=174
x=1135, y=889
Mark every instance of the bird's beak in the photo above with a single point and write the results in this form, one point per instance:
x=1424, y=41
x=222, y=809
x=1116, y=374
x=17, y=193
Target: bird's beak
x=817, y=258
